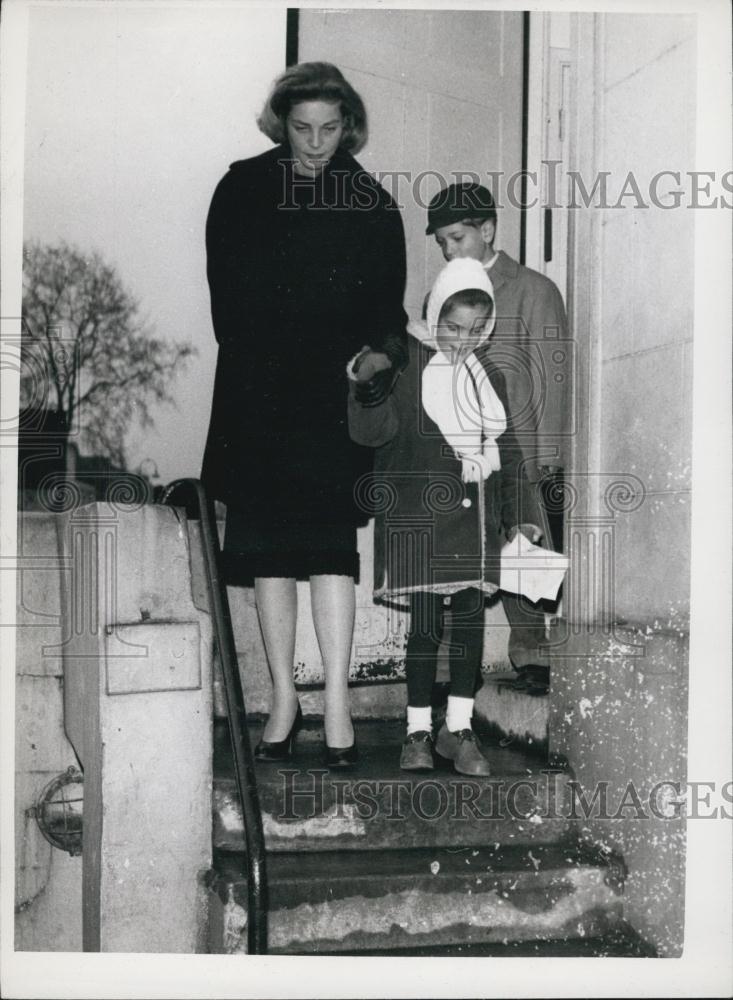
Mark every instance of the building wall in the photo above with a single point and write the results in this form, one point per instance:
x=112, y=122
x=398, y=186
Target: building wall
x=619, y=681
x=646, y=321
x=632, y=302
x=443, y=94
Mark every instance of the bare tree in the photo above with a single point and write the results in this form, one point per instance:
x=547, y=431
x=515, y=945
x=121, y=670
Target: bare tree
x=87, y=354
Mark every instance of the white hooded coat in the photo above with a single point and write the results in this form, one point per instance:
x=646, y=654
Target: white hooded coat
x=448, y=478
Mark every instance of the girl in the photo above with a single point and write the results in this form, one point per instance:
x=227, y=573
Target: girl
x=447, y=491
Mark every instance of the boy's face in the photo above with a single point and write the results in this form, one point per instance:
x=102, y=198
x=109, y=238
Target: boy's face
x=461, y=240
x=460, y=329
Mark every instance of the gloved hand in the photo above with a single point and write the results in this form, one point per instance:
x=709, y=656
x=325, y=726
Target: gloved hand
x=374, y=375
x=530, y=532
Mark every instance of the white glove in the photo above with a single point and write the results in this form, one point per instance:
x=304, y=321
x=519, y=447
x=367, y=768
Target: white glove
x=475, y=468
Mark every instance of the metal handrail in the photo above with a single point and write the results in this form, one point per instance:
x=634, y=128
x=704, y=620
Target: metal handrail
x=243, y=761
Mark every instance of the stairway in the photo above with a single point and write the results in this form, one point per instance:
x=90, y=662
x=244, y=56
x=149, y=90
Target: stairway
x=380, y=861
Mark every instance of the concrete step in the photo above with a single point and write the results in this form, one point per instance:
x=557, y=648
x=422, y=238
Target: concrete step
x=402, y=901
x=307, y=808
x=622, y=941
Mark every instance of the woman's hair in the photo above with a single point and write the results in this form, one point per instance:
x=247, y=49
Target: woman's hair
x=314, y=81
x=474, y=298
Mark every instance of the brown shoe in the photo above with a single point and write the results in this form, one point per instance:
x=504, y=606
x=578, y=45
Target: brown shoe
x=463, y=749
x=417, y=752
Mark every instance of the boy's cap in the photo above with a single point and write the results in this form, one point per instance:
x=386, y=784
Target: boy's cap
x=458, y=202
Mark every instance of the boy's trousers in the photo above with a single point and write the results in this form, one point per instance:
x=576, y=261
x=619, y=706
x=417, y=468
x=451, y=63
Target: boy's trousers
x=527, y=632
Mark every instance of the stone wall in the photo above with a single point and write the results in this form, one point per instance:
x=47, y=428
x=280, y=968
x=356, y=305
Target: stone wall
x=47, y=880
x=113, y=676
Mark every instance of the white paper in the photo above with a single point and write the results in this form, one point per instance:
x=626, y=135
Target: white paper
x=531, y=571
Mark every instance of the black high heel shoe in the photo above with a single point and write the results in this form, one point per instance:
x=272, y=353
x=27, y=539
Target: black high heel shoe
x=280, y=749
x=341, y=757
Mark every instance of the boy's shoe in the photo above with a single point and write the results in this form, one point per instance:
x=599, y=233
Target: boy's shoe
x=532, y=680
x=463, y=749
x=417, y=752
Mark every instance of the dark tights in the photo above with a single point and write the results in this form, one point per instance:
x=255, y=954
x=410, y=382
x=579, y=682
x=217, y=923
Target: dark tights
x=423, y=639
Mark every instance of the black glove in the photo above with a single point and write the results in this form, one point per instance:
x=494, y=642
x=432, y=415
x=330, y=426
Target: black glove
x=396, y=350
x=376, y=388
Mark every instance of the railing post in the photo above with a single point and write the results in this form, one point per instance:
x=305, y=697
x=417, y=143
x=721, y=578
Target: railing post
x=190, y=492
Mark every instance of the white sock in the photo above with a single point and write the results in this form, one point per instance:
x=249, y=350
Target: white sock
x=458, y=715
x=419, y=719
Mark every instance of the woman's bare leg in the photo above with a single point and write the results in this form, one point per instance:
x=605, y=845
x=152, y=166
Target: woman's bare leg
x=277, y=608
x=334, y=602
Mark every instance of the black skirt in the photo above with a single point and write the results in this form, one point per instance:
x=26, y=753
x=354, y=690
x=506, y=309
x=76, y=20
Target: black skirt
x=286, y=550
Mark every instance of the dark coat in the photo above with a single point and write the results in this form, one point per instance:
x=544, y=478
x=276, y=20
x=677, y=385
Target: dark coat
x=530, y=344
x=302, y=275
x=432, y=531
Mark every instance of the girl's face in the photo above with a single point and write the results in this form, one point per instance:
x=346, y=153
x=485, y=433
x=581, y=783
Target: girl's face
x=460, y=329
x=314, y=132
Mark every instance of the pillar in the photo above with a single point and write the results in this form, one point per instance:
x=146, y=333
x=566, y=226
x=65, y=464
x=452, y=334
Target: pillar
x=137, y=697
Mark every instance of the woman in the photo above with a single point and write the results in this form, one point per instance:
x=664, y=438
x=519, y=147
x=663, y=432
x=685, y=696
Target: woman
x=306, y=266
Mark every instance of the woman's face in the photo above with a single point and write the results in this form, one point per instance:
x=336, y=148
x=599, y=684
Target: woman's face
x=314, y=132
